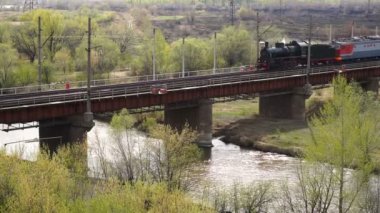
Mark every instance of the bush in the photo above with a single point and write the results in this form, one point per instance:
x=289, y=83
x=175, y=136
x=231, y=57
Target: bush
x=26, y=74
x=246, y=14
x=47, y=72
x=60, y=184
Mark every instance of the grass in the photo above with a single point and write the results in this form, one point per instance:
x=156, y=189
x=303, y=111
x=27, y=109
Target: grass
x=296, y=138
x=224, y=113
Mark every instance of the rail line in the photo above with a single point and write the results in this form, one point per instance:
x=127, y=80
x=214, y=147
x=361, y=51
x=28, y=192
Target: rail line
x=112, y=89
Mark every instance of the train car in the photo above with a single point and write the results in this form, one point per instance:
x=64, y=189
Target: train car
x=358, y=48
x=323, y=54
x=293, y=54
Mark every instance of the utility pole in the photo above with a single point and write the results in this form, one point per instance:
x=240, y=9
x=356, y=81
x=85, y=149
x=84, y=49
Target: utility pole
x=89, y=76
x=39, y=54
x=257, y=36
x=183, y=57
x=341, y=6
x=232, y=12
x=369, y=8
x=30, y=5
x=280, y=10
x=309, y=52
x=154, y=54
x=330, y=34
x=214, y=69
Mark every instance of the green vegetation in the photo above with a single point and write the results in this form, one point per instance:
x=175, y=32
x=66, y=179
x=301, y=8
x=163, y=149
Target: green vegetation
x=224, y=113
x=7, y=64
x=353, y=115
x=121, y=41
x=345, y=134
x=53, y=185
x=148, y=180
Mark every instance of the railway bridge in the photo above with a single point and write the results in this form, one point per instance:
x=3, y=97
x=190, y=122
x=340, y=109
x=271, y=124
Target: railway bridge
x=59, y=112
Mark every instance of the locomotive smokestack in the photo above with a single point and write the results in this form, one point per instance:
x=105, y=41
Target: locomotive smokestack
x=266, y=45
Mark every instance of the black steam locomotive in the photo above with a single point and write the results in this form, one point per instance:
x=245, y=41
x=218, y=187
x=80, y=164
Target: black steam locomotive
x=287, y=56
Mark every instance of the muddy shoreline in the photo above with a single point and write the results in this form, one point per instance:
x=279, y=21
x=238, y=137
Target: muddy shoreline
x=234, y=133
x=246, y=143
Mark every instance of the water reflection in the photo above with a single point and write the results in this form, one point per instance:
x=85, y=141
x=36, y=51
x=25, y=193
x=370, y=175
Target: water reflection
x=25, y=142
x=227, y=163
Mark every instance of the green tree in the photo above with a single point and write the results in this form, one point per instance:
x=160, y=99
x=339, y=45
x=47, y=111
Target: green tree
x=41, y=187
x=104, y=57
x=122, y=121
x=174, y=155
x=47, y=72
x=5, y=35
x=124, y=36
x=346, y=135
x=24, y=39
x=234, y=46
x=125, y=147
x=52, y=25
x=196, y=53
x=246, y=13
x=252, y=197
x=26, y=74
x=74, y=32
x=142, y=63
x=8, y=57
x=63, y=61
x=314, y=190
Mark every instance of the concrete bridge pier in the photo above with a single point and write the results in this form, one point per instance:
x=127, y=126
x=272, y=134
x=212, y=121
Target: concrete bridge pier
x=198, y=114
x=287, y=105
x=371, y=85
x=61, y=131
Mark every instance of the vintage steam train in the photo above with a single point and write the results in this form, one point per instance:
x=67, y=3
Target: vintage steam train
x=294, y=54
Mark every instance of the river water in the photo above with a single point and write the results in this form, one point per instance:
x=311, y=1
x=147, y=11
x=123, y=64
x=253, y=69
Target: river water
x=228, y=163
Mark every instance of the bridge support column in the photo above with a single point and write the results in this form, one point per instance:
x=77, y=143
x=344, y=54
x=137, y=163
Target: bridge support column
x=287, y=105
x=371, y=85
x=197, y=114
x=62, y=131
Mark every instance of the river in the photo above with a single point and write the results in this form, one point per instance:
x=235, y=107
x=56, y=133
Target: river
x=228, y=163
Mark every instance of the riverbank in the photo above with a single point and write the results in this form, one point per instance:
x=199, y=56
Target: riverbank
x=280, y=136
x=239, y=123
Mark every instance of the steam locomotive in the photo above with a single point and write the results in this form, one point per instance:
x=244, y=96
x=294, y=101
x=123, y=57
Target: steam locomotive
x=294, y=54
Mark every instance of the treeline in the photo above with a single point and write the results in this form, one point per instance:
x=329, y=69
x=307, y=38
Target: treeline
x=118, y=4
x=119, y=42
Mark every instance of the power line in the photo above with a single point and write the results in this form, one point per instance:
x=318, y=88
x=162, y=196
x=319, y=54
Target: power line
x=232, y=11
x=30, y=5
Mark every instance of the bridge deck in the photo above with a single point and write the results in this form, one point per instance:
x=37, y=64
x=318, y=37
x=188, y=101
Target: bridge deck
x=33, y=106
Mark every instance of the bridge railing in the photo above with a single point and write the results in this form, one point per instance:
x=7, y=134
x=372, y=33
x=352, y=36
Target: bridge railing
x=212, y=80
x=112, y=81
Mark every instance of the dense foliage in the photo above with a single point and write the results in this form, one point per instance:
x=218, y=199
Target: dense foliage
x=120, y=41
